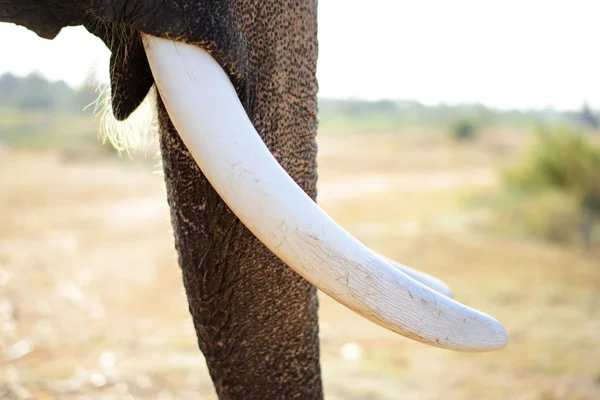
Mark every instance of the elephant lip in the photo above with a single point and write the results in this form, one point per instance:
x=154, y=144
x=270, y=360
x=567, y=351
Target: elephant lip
x=205, y=109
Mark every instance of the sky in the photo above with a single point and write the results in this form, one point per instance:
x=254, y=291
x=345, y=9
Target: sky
x=506, y=54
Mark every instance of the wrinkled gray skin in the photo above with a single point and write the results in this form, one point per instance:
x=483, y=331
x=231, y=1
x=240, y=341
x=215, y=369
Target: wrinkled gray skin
x=256, y=320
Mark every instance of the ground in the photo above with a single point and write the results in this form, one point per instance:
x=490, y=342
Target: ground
x=92, y=305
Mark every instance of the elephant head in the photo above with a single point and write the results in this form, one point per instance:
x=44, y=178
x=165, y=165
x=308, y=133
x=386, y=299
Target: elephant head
x=237, y=115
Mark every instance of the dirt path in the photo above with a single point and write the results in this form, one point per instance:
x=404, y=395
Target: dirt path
x=354, y=187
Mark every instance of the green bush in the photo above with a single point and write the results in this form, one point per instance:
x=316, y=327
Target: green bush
x=549, y=215
x=560, y=159
x=559, y=182
x=463, y=130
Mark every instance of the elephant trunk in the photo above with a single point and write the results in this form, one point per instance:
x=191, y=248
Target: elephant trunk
x=255, y=318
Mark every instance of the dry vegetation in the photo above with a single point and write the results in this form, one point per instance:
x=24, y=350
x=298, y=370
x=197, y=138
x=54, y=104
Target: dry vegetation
x=92, y=306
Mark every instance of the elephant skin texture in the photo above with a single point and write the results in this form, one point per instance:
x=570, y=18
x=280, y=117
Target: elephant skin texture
x=255, y=319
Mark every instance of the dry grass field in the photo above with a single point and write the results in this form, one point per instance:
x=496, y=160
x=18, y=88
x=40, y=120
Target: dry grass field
x=92, y=305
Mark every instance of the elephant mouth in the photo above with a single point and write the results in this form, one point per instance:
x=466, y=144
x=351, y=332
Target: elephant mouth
x=206, y=111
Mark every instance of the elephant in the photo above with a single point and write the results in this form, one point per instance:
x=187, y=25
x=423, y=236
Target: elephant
x=237, y=115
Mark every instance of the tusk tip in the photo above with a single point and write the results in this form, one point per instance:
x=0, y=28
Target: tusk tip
x=495, y=339
x=445, y=290
x=478, y=332
x=502, y=336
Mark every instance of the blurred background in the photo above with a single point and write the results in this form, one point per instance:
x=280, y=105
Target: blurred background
x=461, y=138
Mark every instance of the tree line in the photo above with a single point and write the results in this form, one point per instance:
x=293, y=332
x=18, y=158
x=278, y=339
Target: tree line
x=35, y=93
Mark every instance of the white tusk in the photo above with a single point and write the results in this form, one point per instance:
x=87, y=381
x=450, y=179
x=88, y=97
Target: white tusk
x=207, y=113
x=420, y=276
